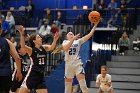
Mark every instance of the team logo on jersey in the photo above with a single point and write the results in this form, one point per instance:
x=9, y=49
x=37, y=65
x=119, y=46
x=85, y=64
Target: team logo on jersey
x=74, y=45
x=38, y=55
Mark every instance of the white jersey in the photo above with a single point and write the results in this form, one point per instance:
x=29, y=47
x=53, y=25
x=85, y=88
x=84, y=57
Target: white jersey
x=72, y=54
x=104, y=80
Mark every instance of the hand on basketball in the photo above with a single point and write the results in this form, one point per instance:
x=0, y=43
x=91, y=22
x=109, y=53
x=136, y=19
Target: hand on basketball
x=96, y=23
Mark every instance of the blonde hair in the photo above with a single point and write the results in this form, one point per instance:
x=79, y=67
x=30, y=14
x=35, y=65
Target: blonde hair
x=58, y=49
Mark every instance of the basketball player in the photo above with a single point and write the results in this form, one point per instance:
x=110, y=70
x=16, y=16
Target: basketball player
x=25, y=64
x=35, y=76
x=103, y=81
x=6, y=49
x=73, y=64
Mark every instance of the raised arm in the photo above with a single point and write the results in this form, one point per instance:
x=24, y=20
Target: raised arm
x=68, y=45
x=22, y=41
x=16, y=57
x=52, y=46
x=86, y=37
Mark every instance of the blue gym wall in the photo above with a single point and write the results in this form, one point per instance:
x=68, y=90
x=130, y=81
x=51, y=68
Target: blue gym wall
x=40, y=5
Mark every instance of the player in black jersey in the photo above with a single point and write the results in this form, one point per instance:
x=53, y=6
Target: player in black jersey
x=25, y=64
x=7, y=49
x=37, y=51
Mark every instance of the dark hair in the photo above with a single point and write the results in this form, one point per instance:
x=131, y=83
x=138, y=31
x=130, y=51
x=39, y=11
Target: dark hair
x=32, y=37
x=104, y=67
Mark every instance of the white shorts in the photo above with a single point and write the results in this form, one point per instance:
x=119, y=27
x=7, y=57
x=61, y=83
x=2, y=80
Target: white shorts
x=71, y=70
x=106, y=89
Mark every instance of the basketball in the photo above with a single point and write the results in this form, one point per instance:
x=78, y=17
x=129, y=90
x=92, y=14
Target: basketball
x=94, y=16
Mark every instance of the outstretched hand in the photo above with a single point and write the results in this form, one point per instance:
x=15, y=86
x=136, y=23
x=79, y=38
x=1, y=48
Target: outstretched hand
x=21, y=29
x=76, y=36
x=56, y=36
x=96, y=23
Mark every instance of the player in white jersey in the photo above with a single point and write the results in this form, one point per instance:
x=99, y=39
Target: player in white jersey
x=103, y=81
x=73, y=64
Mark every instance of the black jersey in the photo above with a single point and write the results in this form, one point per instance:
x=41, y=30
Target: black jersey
x=25, y=64
x=5, y=65
x=39, y=59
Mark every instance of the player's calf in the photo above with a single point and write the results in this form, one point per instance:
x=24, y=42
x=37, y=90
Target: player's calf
x=83, y=86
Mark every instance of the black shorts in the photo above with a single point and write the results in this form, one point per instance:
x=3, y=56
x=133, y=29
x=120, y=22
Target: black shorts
x=16, y=84
x=34, y=80
x=5, y=83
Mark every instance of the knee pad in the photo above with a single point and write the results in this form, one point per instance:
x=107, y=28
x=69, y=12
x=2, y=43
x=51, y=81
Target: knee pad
x=83, y=86
x=68, y=87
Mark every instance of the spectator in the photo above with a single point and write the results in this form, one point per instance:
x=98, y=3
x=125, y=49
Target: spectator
x=136, y=44
x=112, y=6
x=1, y=16
x=54, y=28
x=29, y=9
x=11, y=20
x=101, y=6
x=124, y=43
x=45, y=32
x=45, y=29
x=48, y=16
x=5, y=28
x=59, y=19
x=103, y=81
x=124, y=13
